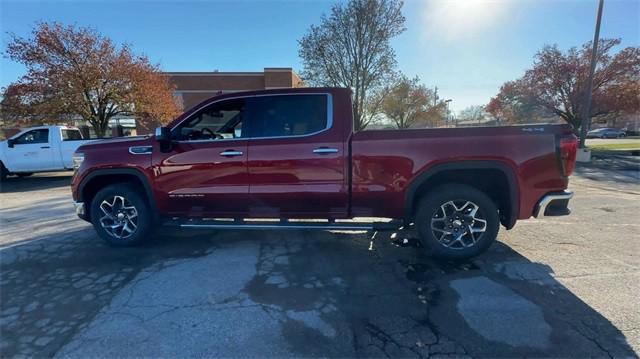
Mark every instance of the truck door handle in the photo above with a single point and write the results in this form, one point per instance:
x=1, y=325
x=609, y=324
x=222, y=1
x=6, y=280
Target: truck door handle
x=231, y=153
x=45, y=147
x=325, y=150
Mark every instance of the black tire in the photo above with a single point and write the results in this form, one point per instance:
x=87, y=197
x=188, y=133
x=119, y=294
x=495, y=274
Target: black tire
x=3, y=172
x=470, y=243
x=24, y=174
x=132, y=197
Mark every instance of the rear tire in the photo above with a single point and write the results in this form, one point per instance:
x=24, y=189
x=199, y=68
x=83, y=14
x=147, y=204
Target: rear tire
x=121, y=215
x=457, y=222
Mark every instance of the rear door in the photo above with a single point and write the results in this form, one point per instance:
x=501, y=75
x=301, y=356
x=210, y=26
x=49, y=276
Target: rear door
x=296, y=157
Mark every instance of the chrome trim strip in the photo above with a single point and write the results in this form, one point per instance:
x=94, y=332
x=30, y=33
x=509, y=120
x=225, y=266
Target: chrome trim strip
x=327, y=128
x=325, y=150
x=546, y=200
x=142, y=150
x=231, y=153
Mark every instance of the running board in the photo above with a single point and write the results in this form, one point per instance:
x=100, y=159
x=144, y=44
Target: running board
x=285, y=224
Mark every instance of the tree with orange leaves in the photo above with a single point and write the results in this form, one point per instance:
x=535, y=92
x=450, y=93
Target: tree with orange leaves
x=556, y=85
x=75, y=71
x=408, y=103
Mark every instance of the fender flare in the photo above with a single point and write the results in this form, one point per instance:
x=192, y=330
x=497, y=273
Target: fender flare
x=508, y=171
x=120, y=171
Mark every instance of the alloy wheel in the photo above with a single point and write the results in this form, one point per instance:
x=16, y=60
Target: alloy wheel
x=120, y=219
x=458, y=224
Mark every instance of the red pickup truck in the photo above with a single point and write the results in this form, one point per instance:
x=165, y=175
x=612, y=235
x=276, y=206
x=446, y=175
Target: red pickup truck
x=291, y=156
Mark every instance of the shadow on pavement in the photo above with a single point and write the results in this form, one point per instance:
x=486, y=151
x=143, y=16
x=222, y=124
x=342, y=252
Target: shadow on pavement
x=36, y=182
x=329, y=294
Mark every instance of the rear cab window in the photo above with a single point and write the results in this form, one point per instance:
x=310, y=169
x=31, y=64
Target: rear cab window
x=70, y=134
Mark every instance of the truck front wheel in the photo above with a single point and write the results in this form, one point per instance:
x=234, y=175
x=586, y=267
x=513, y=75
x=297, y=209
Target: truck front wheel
x=457, y=222
x=121, y=215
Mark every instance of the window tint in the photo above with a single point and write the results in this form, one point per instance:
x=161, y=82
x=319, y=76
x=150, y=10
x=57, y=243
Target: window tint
x=71, y=135
x=219, y=121
x=33, y=136
x=287, y=115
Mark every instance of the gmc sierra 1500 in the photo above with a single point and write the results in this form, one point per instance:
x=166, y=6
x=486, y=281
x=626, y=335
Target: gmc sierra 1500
x=292, y=154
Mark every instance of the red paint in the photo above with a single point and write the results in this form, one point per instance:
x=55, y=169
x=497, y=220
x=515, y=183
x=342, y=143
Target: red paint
x=282, y=177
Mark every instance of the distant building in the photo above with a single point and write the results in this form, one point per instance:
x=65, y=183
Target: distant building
x=195, y=87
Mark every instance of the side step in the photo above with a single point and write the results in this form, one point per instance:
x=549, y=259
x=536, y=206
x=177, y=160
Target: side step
x=287, y=224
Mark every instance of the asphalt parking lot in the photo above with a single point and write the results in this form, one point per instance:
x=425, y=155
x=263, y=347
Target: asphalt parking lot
x=559, y=287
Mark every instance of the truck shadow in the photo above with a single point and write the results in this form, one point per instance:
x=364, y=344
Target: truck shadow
x=383, y=294
x=43, y=181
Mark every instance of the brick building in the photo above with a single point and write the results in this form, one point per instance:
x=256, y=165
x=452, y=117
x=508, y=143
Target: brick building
x=194, y=87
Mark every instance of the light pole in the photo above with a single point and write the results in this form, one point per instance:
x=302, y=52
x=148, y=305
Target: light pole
x=584, y=154
x=446, y=119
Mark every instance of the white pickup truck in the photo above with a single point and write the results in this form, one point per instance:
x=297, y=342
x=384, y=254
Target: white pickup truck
x=39, y=149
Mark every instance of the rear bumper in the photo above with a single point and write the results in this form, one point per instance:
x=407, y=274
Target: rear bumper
x=553, y=204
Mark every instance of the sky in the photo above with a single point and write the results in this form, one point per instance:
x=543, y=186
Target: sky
x=467, y=48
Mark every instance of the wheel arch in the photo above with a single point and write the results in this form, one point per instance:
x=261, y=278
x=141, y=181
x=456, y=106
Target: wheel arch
x=98, y=179
x=488, y=176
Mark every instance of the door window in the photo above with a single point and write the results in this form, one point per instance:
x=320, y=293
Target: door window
x=33, y=136
x=287, y=115
x=221, y=120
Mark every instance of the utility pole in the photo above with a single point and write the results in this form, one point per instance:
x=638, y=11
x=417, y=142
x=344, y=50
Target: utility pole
x=586, y=110
x=447, y=116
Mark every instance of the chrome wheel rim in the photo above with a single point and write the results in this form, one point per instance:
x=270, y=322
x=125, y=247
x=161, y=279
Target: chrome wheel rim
x=120, y=217
x=458, y=224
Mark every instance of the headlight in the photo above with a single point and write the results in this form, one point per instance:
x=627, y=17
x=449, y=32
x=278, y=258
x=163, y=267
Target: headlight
x=77, y=159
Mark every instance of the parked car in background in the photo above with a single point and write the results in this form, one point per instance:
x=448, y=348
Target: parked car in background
x=606, y=133
x=290, y=158
x=39, y=149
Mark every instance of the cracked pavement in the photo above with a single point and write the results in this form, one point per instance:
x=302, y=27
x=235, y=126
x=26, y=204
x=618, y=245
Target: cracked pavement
x=559, y=287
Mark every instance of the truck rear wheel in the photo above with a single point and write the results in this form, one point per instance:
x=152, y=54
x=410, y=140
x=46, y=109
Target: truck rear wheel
x=457, y=222
x=121, y=215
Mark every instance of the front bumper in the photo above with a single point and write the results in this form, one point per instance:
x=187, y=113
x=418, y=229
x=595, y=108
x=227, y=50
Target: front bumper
x=80, y=210
x=553, y=204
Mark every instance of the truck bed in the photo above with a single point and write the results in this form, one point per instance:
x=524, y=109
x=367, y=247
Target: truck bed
x=386, y=161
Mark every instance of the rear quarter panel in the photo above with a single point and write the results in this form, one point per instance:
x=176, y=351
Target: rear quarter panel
x=386, y=162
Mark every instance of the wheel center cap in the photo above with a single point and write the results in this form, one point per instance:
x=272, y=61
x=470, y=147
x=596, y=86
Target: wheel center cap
x=120, y=216
x=457, y=223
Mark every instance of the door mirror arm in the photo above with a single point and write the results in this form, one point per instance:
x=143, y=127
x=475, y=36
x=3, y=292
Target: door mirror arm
x=163, y=136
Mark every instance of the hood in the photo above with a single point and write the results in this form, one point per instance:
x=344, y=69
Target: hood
x=116, y=141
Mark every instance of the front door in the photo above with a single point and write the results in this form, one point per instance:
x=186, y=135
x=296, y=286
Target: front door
x=205, y=174
x=296, y=157
x=31, y=152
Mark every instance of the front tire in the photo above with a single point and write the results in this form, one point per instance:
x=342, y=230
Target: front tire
x=121, y=215
x=457, y=222
x=3, y=172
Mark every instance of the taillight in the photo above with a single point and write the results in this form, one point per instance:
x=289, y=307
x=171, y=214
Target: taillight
x=567, y=153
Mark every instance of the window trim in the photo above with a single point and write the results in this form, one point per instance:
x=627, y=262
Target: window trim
x=327, y=127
